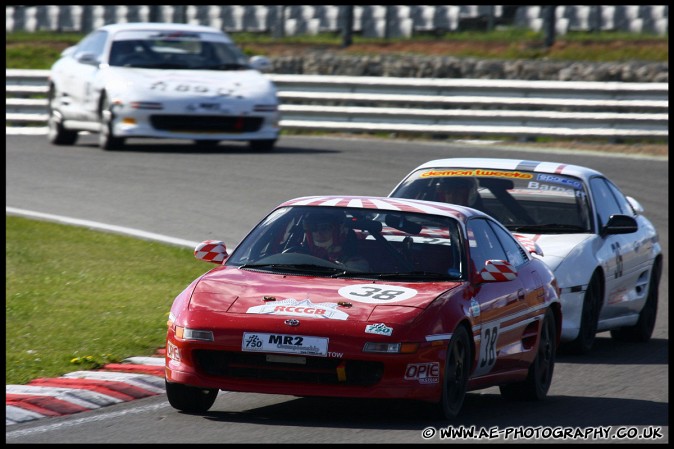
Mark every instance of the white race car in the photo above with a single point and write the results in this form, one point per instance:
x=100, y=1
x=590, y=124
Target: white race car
x=161, y=80
x=604, y=252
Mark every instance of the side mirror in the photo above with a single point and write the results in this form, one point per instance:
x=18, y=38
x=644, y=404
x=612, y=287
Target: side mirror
x=87, y=58
x=497, y=271
x=620, y=224
x=213, y=251
x=260, y=63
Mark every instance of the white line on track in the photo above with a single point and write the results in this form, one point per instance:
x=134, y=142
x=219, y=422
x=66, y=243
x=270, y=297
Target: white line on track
x=102, y=226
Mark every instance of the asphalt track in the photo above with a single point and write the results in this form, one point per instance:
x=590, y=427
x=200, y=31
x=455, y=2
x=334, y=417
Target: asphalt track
x=169, y=190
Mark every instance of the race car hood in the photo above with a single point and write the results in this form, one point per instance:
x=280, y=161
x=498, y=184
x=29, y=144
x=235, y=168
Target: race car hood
x=247, y=292
x=557, y=247
x=153, y=85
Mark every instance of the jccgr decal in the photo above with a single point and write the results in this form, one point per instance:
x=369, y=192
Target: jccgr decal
x=488, y=344
x=377, y=293
x=304, y=308
x=424, y=373
x=379, y=329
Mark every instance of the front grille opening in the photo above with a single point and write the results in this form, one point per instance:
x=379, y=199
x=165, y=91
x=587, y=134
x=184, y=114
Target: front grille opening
x=317, y=370
x=206, y=123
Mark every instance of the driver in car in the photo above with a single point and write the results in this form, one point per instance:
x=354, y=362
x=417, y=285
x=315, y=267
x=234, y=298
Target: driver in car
x=327, y=236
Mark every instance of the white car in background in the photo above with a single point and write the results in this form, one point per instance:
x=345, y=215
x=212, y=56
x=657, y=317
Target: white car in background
x=604, y=252
x=161, y=80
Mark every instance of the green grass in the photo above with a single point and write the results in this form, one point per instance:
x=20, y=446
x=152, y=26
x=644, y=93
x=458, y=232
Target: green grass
x=77, y=299
x=39, y=50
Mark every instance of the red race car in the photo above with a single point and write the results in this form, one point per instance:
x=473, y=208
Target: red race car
x=366, y=297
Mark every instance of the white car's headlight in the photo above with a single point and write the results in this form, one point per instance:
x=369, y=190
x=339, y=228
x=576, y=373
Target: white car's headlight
x=153, y=105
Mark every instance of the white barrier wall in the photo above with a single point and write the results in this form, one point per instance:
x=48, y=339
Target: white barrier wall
x=369, y=20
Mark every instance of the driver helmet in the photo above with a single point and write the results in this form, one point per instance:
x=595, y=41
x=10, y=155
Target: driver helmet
x=325, y=232
x=459, y=190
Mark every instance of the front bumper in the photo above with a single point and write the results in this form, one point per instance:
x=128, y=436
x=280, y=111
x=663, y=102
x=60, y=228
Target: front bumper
x=235, y=125
x=572, y=310
x=386, y=376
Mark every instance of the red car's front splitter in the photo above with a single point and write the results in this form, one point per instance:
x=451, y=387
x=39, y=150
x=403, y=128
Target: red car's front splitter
x=390, y=387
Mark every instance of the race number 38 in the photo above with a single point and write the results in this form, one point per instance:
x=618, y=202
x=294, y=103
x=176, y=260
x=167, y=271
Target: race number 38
x=377, y=293
x=488, y=338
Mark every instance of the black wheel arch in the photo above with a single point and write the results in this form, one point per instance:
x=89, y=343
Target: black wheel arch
x=469, y=330
x=101, y=100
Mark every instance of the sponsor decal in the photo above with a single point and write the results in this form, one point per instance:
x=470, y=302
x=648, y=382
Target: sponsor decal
x=379, y=329
x=303, y=308
x=289, y=344
x=535, y=185
x=476, y=172
x=619, y=295
x=207, y=107
x=488, y=343
x=474, y=308
x=424, y=373
x=559, y=180
x=190, y=87
x=377, y=293
x=172, y=351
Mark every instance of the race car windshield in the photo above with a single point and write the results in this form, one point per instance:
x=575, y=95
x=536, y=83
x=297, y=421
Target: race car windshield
x=176, y=51
x=521, y=200
x=337, y=242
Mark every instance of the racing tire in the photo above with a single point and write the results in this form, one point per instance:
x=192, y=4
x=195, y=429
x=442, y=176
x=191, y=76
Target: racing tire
x=190, y=399
x=642, y=331
x=457, y=372
x=535, y=387
x=262, y=146
x=589, y=319
x=106, y=138
x=56, y=133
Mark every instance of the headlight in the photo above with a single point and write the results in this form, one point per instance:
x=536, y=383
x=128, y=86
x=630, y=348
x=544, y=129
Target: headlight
x=185, y=333
x=391, y=348
x=152, y=105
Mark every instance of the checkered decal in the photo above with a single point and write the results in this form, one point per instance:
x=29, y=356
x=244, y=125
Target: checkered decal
x=211, y=251
x=427, y=231
x=528, y=243
x=498, y=270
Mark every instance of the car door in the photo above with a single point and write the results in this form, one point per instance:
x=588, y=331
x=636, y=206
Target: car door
x=499, y=305
x=82, y=75
x=625, y=265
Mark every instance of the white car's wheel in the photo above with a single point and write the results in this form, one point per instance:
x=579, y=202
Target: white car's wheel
x=56, y=133
x=589, y=318
x=642, y=331
x=106, y=138
x=262, y=145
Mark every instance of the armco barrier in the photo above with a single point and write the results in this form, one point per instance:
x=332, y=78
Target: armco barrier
x=451, y=107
